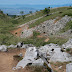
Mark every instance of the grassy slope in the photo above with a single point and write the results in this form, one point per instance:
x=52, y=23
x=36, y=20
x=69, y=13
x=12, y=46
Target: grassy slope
x=6, y=25
x=64, y=10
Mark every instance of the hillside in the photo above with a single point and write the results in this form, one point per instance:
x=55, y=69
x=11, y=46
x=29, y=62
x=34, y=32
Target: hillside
x=9, y=24
x=36, y=42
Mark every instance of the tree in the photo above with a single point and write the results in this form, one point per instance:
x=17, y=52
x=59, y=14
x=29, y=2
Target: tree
x=23, y=16
x=7, y=14
x=1, y=11
x=22, y=12
x=30, y=12
x=46, y=11
x=14, y=16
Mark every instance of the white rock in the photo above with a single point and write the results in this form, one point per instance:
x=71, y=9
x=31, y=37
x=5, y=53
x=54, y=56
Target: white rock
x=68, y=44
x=11, y=46
x=38, y=62
x=69, y=67
x=19, y=44
x=47, y=49
x=29, y=57
x=27, y=46
x=3, y=48
x=56, y=54
x=20, y=55
x=60, y=67
x=61, y=56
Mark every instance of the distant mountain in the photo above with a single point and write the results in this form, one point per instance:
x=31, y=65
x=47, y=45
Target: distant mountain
x=15, y=9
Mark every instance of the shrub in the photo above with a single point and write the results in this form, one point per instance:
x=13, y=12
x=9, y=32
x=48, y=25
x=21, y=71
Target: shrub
x=22, y=32
x=16, y=33
x=68, y=49
x=60, y=12
x=46, y=10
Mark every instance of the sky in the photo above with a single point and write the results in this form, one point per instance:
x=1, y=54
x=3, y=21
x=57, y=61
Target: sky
x=36, y=2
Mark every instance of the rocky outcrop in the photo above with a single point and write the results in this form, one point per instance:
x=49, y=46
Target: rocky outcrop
x=69, y=67
x=27, y=33
x=68, y=44
x=3, y=48
x=50, y=28
x=18, y=45
x=54, y=53
x=32, y=57
x=50, y=52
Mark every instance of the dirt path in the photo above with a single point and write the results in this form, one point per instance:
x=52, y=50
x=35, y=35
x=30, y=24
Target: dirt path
x=6, y=59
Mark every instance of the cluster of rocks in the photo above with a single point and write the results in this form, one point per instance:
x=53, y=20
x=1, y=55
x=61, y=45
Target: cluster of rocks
x=39, y=56
x=68, y=44
x=52, y=52
x=69, y=67
x=21, y=45
x=50, y=28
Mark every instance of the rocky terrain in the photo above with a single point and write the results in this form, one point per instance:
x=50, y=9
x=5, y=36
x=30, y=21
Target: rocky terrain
x=52, y=54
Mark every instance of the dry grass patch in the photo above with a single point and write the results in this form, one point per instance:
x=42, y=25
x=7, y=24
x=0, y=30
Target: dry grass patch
x=56, y=66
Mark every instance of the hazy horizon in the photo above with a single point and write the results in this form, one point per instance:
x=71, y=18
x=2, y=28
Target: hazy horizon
x=36, y=2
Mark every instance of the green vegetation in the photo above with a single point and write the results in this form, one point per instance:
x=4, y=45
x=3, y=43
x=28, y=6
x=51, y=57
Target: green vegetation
x=14, y=21
x=22, y=12
x=35, y=33
x=40, y=41
x=68, y=12
x=59, y=12
x=46, y=10
x=69, y=50
x=8, y=24
x=57, y=40
x=67, y=27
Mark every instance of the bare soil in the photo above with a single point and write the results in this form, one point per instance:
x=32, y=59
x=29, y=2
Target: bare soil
x=6, y=59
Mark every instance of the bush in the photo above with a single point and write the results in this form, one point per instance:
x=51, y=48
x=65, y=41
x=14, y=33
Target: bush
x=60, y=12
x=68, y=49
x=16, y=33
x=46, y=10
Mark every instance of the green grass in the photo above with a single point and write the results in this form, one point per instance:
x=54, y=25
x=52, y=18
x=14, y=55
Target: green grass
x=7, y=24
x=43, y=19
x=27, y=19
x=68, y=49
x=68, y=12
x=67, y=27
x=57, y=40
x=65, y=11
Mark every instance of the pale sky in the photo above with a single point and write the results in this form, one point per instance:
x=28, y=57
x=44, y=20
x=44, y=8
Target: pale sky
x=36, y=2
